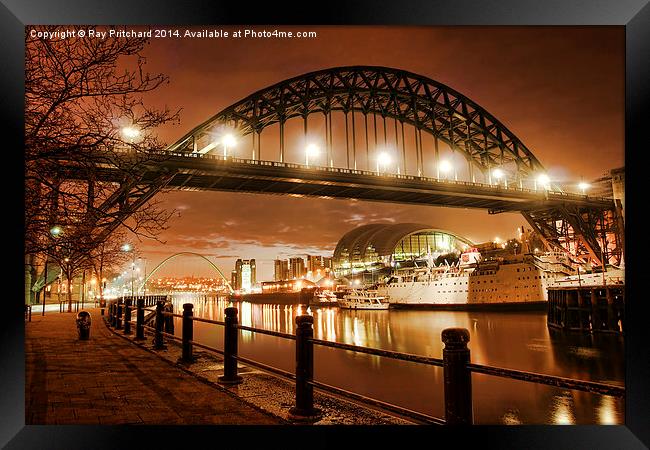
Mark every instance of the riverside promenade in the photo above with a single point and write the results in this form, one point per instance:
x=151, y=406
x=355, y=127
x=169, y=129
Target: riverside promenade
x=108, y=380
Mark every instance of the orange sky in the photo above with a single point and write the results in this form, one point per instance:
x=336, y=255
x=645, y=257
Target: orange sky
x=559, y=89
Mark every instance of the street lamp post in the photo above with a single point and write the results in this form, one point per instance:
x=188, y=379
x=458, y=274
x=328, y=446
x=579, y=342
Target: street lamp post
x=383, y=160
x=498, y=174
x=227, y=141
x=128, y=248
x=310, y=150
x=445, y=167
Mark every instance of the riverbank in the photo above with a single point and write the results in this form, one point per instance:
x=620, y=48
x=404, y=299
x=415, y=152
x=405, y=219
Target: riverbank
x=107, y=381
x=264, y=391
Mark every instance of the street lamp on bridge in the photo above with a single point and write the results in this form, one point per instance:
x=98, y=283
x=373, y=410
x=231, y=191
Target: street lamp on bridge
x=228, y=141
x=383, y=160
x=498, y=174
x=445, y=167
x=584, y=186
x=544, y=180
x=310, y=150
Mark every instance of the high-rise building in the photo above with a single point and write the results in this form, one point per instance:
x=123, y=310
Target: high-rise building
x=245, y=274
x=233, y=280
x=297, y=267
x=314, y=263
x=281, y=269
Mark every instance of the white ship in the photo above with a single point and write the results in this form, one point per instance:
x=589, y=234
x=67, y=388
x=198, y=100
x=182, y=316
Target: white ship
x=514, y=279
x=363, y=299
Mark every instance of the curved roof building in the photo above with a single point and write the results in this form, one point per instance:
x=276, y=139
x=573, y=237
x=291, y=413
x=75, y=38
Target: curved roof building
x=382, y=244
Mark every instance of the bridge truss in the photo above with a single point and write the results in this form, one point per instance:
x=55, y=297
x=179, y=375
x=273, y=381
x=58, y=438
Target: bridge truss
x=355, y=114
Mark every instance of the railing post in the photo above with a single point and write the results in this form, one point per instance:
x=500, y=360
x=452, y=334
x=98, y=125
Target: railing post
x=169, y=320
x=118, y=322
x=127, y=316
x=112, y=314
x=230, y=334
x=304, y=409
x=188, y=332
x=158, y=342
x=457, y=376
x=139, y=320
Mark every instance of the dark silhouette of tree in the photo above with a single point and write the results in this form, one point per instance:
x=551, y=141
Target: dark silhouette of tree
x=84, y=114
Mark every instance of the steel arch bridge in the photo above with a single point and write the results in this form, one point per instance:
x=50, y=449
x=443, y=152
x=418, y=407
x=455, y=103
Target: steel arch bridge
x=364, y=92
x=169, y=258
x=357, y=114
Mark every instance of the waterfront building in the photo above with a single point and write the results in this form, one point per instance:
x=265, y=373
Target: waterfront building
x=281, y=269
x=297, y=267
x=233, y=280
x=245, y=273
x=380, y=245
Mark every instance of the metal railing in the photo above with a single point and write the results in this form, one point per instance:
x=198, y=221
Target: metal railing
x=455, y=362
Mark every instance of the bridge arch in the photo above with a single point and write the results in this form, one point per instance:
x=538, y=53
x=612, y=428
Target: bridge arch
x=169, y=258
x=407, y=98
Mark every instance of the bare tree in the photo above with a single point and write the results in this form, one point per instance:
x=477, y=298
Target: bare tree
x=85, y=117
x=108, y=256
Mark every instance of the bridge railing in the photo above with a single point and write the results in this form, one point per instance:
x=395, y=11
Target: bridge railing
x=342, y=170
x=456, y=364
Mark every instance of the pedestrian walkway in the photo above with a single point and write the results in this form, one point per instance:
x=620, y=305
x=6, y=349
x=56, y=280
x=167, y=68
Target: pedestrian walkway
x=107, y=380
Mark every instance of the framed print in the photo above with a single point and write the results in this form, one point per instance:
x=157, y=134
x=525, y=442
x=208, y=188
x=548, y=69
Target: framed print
x=406, y=220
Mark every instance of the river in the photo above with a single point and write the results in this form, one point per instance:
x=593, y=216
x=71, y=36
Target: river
x=515, y=340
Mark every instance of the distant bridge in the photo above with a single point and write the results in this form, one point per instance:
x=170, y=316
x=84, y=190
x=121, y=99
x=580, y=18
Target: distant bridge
x=364, y=129
x=169, y=258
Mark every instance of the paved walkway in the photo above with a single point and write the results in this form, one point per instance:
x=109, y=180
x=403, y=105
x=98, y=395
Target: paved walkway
x=107, y=380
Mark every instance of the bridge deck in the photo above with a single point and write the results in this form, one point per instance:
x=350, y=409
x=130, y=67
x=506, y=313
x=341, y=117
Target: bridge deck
x=213, y=172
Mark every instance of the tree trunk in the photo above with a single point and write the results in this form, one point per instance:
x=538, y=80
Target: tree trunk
x=69, y=284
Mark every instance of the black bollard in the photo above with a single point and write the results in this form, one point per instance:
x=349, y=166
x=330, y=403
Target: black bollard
x=230, y=333
x=139, y=320
x=304, y=409
x=118, y=320
x=169, y=320
x=188, y=332
x=457, y=376
x=158, y=342
x=127, y=316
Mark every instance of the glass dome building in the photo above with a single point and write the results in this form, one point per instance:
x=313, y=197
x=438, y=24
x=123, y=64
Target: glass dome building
x=380, y=245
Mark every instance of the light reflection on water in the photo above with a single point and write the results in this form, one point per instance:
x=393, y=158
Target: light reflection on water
x=504, y=339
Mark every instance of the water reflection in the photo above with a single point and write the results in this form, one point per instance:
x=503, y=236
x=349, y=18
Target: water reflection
x=514, y=340
x=563, y=410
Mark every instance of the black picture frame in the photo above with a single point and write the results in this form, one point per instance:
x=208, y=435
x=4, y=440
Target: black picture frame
x=634, y=15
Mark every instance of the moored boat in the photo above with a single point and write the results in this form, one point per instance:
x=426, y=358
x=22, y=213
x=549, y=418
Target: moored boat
x=324, y=298
x=363, y=299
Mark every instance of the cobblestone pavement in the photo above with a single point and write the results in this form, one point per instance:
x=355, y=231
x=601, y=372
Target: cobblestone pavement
x=107, y=380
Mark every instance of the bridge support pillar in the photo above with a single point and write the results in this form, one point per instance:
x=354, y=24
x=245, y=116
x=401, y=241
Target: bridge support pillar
x=230, y=335
x=457, y=377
